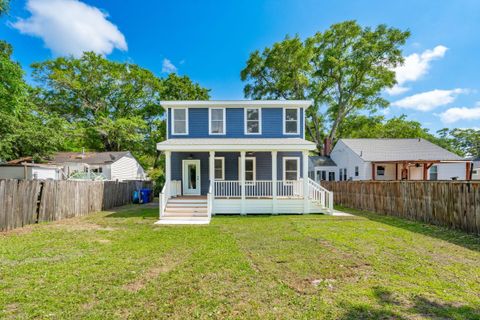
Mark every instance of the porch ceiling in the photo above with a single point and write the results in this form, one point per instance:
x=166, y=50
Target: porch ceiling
x=241, y=144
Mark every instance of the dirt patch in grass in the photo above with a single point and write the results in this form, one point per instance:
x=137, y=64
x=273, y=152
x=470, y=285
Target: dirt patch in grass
x=164, y=266
x=19, y=231
x=78, y=224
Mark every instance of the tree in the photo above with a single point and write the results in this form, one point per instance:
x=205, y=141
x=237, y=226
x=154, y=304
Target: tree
x=109, y=105
x=24, y=129
x=352, y=66
x=344, y=69
x=466, y=141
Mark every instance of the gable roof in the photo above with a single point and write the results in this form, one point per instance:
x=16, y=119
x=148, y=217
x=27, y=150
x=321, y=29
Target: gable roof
x=88, y=157
x=399, y=150
x=320, y=161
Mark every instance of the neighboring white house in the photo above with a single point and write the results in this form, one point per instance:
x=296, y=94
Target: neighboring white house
x=77, y=166
x=476, y=168
x=397, y=159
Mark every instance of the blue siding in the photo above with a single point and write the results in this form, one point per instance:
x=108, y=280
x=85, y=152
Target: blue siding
x=263, y=165
x=272, y=124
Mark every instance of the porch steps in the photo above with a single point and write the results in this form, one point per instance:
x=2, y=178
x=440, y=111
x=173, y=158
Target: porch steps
x=185, y=210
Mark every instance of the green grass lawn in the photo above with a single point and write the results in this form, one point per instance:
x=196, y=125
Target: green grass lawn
x=120, y=265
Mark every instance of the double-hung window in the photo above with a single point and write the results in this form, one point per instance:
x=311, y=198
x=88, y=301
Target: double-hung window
x=219, y=168
x=180, y=121
x=253, y=121
x=216, y=123
x=291, y=169
x=291, y=121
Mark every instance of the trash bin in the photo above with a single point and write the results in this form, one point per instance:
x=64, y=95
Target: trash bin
x=136, y=196
x=145, y=195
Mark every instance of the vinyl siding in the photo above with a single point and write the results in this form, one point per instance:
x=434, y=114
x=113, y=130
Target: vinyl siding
x=263, y=165
x=127, y=168
x=272, y=124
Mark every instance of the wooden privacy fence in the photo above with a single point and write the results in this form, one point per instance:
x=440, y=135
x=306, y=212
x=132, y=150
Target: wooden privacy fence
x=25, y=202
x=454, y=204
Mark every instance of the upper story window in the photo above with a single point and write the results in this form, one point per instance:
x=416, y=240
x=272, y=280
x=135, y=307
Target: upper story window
x=253, y=121
x=291, y=121
x=180, y=121
x=216, y=123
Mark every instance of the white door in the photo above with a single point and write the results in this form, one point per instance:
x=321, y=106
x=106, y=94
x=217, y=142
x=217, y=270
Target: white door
x=191, y=177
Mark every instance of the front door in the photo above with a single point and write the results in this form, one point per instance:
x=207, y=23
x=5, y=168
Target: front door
x=191, y=177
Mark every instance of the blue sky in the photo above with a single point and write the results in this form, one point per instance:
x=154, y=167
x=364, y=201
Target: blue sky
x=211, y=40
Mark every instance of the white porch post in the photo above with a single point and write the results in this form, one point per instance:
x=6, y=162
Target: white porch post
x=274, y=182
x=167, y=172
x=242, y=180
x=211, y=167
x=306, y=193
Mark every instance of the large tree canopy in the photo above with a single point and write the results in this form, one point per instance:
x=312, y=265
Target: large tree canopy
x=466, y=141
x=110, y=105
x=24, y=129
x=343, y=69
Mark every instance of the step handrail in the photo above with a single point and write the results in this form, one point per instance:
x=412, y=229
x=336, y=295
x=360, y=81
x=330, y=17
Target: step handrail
x=163, y=198
x=210, y=197
x=321, y=194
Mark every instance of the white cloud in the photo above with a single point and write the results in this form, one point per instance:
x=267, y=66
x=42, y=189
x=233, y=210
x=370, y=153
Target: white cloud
x=168, y=67
x=414, y=67
x=429, y=100
x=71, y=27
x=462, y=113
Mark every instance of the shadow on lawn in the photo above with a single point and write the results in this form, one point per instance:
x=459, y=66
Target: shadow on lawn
x=140, y=211
x=391, y=307
x=469, y=241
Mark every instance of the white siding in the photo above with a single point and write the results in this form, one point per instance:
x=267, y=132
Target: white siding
x=44, y=173
x=446, y=171
x=344, y=157
x=127, y=168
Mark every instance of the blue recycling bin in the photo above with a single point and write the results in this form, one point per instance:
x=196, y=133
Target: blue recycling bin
x=145, y=195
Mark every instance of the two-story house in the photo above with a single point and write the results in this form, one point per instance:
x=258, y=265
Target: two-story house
x=237, y=157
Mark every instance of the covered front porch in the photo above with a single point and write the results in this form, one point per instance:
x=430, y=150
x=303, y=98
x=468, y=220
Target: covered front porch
x=242, y=181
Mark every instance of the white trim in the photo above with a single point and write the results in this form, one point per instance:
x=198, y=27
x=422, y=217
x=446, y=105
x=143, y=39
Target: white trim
x=236, y=147
x=210, y=122
x=223, y=168
x=186, y=122
x=245, y=127
x=254, y=168
x=284, y=122
x=199, y=174
x=236, y=103
x=284, y=166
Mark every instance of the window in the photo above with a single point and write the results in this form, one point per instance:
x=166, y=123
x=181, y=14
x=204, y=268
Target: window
x=331, y=176
x=344, y=174
x=434, y=173
x=380, y=171
x=180, y=121
x=216, y=124
x=219, y=168
x=340, y=174
x=356, y=171
x=291, y=170
x=253, y=121
x=321, y=175
x=250, y=169
x=291, y=121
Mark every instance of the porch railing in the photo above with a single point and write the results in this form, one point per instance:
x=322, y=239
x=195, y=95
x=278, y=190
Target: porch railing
x=258, y=189
x=163, y=198
x=210, y=197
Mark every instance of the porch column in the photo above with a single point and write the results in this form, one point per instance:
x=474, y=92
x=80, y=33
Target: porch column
x=274, y=182
x=167, y=172
x=373, y=171
x=242, y=180
x=306, y=193
x=211, y=167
